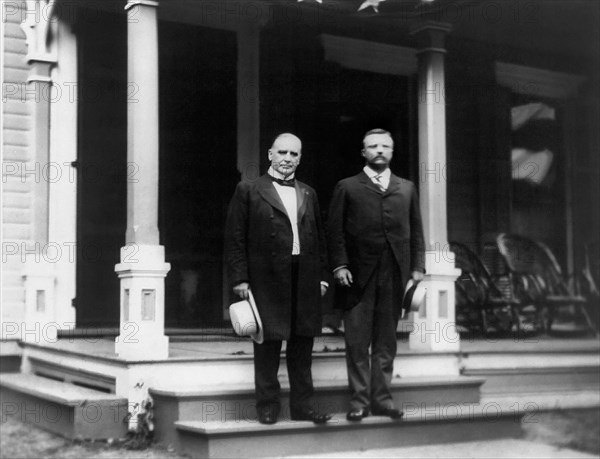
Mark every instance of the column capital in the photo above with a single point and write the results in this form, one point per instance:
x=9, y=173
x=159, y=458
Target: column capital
x=40, y=26
x=131, y=3
x=445, y=27
x=40, y=70
x=430, y=36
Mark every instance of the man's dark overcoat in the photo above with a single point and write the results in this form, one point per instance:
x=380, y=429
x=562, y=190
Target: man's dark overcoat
x=258, y=250
x=363, y=219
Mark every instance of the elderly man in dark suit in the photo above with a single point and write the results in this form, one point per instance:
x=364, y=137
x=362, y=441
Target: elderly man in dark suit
x=376, y=243
x=275, y=246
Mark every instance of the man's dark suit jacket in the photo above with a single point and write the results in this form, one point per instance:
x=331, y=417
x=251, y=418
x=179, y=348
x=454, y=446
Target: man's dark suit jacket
x=258, y=250
x=363, y=219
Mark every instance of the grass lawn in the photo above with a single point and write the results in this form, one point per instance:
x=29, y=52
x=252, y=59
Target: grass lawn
x=573, y=429
x=19, y=440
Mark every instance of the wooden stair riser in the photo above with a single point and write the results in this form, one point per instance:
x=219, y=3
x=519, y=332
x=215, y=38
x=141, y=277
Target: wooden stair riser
x=308, y=439
x=98, y=371
x=242, y=406
x=524, y=380
x=79, y=376
x=10, y=363
x=96, y=420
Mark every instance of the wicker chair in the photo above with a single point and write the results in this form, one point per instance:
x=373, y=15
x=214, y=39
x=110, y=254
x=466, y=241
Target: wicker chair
x=536, y=277
x=590, y=273
x=477, y=293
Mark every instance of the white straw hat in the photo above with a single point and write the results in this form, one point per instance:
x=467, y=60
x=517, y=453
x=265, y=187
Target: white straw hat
x=414, y=295
x=246, y=319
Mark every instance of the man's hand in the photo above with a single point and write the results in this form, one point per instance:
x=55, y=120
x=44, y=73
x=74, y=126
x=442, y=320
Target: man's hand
x=241, y=290
x=343, y=277
x=417, y=276
x=323, y=289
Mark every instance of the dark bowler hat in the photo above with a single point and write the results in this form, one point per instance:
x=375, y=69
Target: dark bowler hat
x=414, y=295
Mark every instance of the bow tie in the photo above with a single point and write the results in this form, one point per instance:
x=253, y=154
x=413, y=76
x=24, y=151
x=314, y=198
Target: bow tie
x=290, y=182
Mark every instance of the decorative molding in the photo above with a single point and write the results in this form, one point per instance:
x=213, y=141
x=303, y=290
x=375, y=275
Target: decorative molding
x=40, y=305
x=40, y=70
x=444, y=27
x=131, y=3
x=537, y=82
x=431, y=36
x=432, y=50
x=40, y=28
x=369, y=56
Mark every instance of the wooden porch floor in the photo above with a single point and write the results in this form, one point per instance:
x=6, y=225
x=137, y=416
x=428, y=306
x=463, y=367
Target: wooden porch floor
x=211, y=347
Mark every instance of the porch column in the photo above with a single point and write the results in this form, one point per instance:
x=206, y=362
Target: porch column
x=41, y=254
x=434, y=324
x=142, y=269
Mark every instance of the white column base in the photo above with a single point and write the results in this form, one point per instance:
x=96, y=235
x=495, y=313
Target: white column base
x=434, y=328
x=40, y=325
x=142, y=325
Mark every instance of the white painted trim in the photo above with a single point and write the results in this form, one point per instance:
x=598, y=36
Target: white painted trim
x=432, y=49
x=369, y=56
x=51, y=269
x=40, y=300
x=62, y=202
x=41, y=57
x=39, y=26
x=131, y=3
x=537, y=82
x=428, y=26
x=39, y=78
x=434, y=323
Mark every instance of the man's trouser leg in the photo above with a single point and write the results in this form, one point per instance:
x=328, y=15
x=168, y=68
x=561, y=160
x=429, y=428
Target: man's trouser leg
x=266, y=366
x=358, y=323
x=299, y=362
x=385, y=322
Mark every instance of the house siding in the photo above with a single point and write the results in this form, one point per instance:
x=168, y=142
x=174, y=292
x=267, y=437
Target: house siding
x=17, y=187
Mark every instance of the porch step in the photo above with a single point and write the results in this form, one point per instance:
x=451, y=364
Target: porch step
x=546, y=379
x=70, y=374
x=431, y=425
x=237, y=403
x=10, y=356
x=62, y=408
x=539, y=366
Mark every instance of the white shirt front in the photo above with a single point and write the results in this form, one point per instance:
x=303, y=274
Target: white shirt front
x=290, y=202
x=384, y=179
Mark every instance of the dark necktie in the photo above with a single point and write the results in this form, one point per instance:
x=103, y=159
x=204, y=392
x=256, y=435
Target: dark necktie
x=377, y=179
x=290, y=182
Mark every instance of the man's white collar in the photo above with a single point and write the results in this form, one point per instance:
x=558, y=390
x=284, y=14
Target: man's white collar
x=273, y=173
x=386, y=174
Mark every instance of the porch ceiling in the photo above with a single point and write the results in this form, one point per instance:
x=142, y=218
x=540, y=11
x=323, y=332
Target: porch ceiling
x=561, y=27
x=569, y=27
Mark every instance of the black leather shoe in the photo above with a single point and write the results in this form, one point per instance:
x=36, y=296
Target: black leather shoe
x=357, y=415
x=267, y=418
x=310, y=415
x=389, y=412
